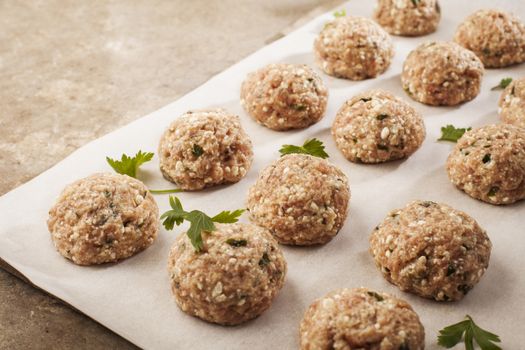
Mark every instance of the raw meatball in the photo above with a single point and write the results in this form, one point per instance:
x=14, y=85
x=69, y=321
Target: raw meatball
x=233, y=279
x=361, y=319
x=497, y=37
x=284, y=96
x=301, y=199
x=375, y=127
x=103, y=218
x=354, y=48
x=408, y=17
x=488, y=163
x=512, y=103
x=431, y=249
x=442, y=74
x=205, y=148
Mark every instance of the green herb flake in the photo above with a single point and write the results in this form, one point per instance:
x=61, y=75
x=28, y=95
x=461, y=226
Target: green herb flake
x=299, y=107
x=129, y=165
x=199, y=221
x=265, y=260
x=382, y=147
x=382, y=116
x=450, y=270
x=366, y=99
x=451, y=133
x=426, y=204
x=486, y=158
x=377, y=296
x=416, y=2
x=502, y=84
x=493, y=190
x=313, y=147
x=486, y=51
x=237, y=242
x=197, y=151
x=340, y=13
x=468, y=331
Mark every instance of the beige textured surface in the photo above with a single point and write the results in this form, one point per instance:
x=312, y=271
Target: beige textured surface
x=73, y=71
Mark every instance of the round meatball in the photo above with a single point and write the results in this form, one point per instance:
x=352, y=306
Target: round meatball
x=354, y=48
x=205, y=148
x=442, y=74
x=497, y=37
x=408, y=17
x=488, y=163
x=301, y=199
x=361, y=319
x=375, y=127
x=512, y=103
x=103, y=218
x=233, y=279
x=284, y=96
x=431, y=249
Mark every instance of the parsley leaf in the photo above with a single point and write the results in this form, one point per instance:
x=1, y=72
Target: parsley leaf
x=340, y=13
x=228, y=217
x=199, y=221
x=313, y=147
x=502, y=84
x=451, y=133
x=452, y=335
x=197, y=151
x=129, y=165
x=416, y=2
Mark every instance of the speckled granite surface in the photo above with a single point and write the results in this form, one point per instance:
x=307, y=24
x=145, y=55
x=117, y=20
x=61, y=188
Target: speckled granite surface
x=73, y=71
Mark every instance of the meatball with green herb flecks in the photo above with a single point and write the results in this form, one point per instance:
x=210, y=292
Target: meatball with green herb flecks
x=301, y=199
x=284, y=96
x=103, y=218
x=233, y=279
x=354, y=48
x=205, y=148
x=488, y=164
x=431, y=250
x=442, y=74
x=376, y=126
x=496, y=37
x=512, y=103
x=408, y=17
x=361, y=319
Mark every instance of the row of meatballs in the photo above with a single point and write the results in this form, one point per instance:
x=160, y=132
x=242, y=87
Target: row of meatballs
x=426, y=248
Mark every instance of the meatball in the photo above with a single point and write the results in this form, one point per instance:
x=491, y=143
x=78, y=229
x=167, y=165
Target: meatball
x=103, y=218
x=284, y=96
x=233, y=279
x=301, y=199
x=488, y=163
x=497, y=37
x=205, y=148
x=361, y=319
x=431, y=249
x=376, y=126
x=512, y=103
x=408, y=17
x=442, y=74
x=354, y=48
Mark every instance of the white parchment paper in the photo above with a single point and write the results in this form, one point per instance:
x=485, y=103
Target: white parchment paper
x=133, y=297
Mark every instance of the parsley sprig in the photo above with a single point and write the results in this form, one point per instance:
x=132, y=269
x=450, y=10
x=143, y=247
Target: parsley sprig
x=313, y=147
x=199, y=221
x=129, y=165
x=468, y=331
x=340, y=13
x=502, y=84
x=451, y=133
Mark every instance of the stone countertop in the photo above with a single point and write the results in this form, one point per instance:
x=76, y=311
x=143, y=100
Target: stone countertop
x=73, y=71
